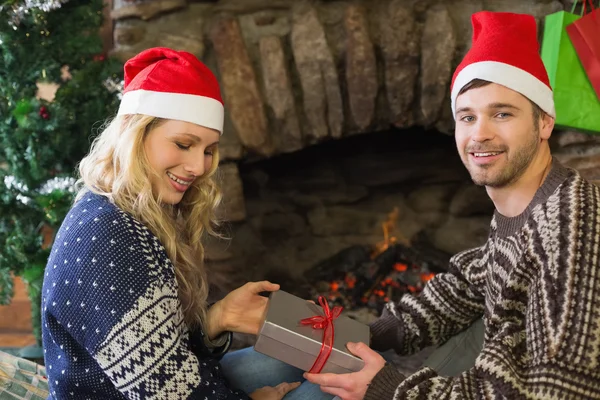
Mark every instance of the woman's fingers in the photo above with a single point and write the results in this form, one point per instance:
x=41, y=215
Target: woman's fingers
x=263, y=286
x=285, y=387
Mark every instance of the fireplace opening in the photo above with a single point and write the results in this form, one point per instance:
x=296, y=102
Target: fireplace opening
x=362, y=219
x=372, y=275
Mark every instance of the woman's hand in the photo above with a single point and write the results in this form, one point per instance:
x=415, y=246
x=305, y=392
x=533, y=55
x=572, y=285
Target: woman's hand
x=241, y=311
x=274, y=393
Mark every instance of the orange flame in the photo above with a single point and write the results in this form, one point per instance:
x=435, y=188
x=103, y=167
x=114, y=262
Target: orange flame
x=390, y=236
x=388, y=228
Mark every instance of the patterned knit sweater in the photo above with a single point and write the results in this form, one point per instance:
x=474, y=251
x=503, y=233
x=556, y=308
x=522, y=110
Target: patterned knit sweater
x=536, y=282
x=113, y=326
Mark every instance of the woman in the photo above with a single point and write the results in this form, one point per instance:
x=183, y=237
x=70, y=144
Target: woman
x=124, y=297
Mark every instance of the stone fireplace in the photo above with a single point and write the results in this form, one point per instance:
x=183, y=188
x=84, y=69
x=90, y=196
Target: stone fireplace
x=337, y=116
x=304, y=207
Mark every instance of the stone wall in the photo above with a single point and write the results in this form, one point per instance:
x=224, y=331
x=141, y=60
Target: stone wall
x=296, y=73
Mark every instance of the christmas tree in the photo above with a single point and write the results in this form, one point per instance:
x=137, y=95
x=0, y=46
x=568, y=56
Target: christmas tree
x=52, y=42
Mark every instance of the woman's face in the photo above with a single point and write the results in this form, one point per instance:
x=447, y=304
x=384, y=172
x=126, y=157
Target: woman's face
x=179, y=152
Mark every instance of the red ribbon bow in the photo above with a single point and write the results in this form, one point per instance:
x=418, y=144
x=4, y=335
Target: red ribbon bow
x=324, y=322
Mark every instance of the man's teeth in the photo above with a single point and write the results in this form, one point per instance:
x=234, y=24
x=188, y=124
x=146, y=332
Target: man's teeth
x=174, y=178
x=486, y=154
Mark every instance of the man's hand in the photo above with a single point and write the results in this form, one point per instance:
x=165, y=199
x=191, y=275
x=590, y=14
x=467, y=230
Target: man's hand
x=351, y=386
x=241, y=310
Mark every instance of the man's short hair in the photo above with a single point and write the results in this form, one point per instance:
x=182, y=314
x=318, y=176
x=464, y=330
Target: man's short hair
x=478, y=83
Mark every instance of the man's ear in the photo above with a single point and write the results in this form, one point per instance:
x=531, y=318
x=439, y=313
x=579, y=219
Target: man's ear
x=546, y=126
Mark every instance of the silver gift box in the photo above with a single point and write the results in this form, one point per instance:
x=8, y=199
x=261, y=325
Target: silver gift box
x=283, y=337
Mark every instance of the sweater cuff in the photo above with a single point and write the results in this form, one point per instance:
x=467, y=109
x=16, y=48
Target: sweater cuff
x=218, y=349
x=384, y=384
x=217, y=342
x=386, y=333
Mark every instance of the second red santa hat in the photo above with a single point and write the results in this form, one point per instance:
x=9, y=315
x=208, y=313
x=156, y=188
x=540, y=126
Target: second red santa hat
x=505, y=51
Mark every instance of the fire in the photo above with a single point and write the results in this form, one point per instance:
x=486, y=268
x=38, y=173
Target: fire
x=390, y=236
x=388, y=285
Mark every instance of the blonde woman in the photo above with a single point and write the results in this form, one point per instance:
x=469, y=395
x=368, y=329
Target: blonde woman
x=125, y=314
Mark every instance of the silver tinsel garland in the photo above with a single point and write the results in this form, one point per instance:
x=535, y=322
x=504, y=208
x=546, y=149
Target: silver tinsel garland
x=21, y=9
x=59, y=183
x=64, y=183
x=115, y=86
x=13, y=183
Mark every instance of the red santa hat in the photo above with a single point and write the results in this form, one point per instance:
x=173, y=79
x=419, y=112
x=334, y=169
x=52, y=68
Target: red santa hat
x=172, y=84
x=505, y=51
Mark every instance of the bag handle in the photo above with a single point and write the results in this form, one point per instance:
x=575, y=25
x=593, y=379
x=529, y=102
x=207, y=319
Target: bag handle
x=583, y=9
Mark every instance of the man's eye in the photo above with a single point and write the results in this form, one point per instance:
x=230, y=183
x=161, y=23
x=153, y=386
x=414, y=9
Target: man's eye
x=503, y=115
x=182, y=146
x=468, y=118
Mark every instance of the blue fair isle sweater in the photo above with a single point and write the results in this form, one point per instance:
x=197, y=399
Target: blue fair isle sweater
x=113, y=327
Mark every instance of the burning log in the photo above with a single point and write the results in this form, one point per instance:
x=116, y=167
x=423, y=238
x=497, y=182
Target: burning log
x=362, y=276
x=371, y=282
x=335, y=267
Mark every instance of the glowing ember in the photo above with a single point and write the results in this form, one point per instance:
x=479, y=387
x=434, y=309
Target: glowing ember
x=427, y=277
x=391, y=273
x=400, y=267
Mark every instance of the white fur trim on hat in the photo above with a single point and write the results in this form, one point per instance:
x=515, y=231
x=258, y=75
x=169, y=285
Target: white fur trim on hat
x=200, y=110
x=506, y=75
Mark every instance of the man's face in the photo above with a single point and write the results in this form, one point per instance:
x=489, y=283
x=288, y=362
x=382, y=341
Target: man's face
x=496, y=134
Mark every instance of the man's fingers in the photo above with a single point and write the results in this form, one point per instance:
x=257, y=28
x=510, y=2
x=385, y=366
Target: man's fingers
x=335, y=380
x=285, y=387
x=363, y=351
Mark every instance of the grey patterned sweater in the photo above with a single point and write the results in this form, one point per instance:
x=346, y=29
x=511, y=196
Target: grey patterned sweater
x=536, y=282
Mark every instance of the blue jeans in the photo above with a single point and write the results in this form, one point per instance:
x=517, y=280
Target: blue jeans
x=249, y=370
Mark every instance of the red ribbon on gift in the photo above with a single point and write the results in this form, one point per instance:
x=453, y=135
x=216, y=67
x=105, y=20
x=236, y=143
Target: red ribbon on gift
x=324, y=322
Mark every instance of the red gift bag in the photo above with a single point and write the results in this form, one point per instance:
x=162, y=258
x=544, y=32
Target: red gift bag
x=585, y=36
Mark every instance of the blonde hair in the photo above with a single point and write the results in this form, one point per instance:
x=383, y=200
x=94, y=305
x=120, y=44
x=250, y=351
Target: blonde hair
x=117, y=167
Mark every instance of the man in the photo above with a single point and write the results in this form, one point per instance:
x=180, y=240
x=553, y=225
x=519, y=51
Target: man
x=536, y=282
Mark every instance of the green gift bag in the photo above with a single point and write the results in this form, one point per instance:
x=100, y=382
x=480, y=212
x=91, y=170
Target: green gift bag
x=577, y=106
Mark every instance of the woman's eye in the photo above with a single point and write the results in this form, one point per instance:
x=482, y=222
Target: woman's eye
x=182, y=146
